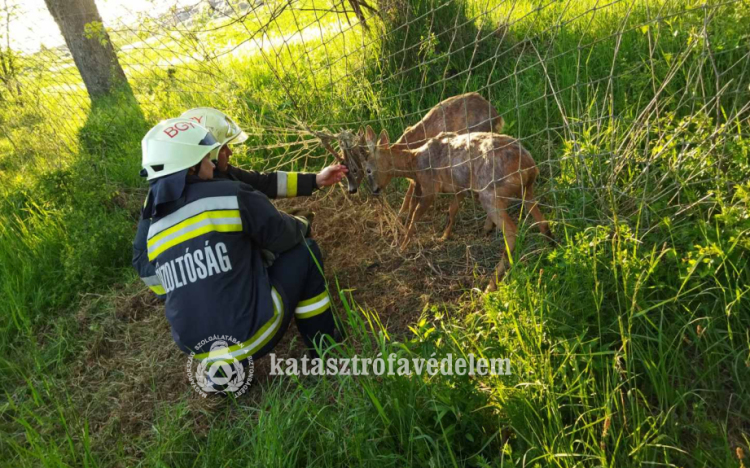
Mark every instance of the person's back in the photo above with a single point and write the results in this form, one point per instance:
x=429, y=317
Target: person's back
x=211, y=270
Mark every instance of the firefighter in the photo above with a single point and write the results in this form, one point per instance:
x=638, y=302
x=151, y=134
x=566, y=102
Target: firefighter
x=224, y=258
x=274, y=185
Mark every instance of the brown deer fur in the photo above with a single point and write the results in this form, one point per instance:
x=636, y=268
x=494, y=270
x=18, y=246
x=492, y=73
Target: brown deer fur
x=464, y=113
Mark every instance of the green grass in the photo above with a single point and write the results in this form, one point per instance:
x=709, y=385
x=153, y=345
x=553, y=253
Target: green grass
x=629, y=340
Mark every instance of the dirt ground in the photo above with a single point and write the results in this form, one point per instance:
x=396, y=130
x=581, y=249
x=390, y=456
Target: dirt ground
x=359, y=236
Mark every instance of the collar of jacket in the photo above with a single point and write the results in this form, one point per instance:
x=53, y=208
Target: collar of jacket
x=165, y=190
x=222, y=175
x=194, y=179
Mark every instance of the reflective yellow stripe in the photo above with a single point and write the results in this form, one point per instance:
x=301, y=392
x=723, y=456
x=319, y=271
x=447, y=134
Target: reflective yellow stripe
x=191, y=209
x=313, y=300
x=291, y=184
x=154, y=284
x=315, y=312
x=257, y=341
x=193, y=220
x=313, y=306
x=193, y=234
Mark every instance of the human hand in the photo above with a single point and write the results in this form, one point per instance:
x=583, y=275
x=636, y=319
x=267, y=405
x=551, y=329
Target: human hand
x=222, y=163
x=331, y=175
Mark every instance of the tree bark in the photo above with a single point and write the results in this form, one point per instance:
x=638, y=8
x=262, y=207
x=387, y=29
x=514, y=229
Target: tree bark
x=93, y=55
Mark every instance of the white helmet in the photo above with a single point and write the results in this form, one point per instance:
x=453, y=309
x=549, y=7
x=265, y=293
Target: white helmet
x=221, y=126
x=176, y=144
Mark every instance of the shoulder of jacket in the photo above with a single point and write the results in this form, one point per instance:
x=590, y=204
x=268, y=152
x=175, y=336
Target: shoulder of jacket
x=213, y=188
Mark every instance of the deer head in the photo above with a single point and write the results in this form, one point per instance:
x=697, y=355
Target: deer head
x=379, y=168
x=353, y=157
x=348, y=156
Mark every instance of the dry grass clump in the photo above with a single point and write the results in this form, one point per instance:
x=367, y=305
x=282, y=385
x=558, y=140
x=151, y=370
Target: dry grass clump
x=359, y=238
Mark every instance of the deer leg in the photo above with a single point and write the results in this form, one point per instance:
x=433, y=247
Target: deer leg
x=531, y=204
x=406, y=208
x=497, y=211
x=488, y=227
x=455, y=205
x=423, y=204
x=415, y=198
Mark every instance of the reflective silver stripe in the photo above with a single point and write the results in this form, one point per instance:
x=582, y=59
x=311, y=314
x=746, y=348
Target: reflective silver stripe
x=151, y=280
x=249, y=349
x=233, y=220
x=311, y=307
x=192, y=209
x=281, y=184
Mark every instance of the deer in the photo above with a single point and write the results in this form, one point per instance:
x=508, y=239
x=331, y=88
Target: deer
x=464, y=113
x=468, y=112
x=494, y=167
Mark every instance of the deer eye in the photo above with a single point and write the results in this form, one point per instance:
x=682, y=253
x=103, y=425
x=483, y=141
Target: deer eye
x=369, y=171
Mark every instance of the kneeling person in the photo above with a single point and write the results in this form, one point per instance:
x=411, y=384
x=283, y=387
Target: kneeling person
x=206, y=241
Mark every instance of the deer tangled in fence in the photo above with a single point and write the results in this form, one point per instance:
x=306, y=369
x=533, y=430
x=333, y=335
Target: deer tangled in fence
x=495, y=168
x=468, y=112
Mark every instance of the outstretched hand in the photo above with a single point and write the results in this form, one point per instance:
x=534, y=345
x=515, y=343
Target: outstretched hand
x=222, y=162
x=331, y=175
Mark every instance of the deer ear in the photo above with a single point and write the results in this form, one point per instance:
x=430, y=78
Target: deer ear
x=361, y=133
x=370, y=135
x=383, y=140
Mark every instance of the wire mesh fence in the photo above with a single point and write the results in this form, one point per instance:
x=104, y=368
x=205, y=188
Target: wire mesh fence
x=630, y=109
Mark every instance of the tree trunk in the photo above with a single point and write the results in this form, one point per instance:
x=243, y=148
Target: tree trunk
x=90, y=46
